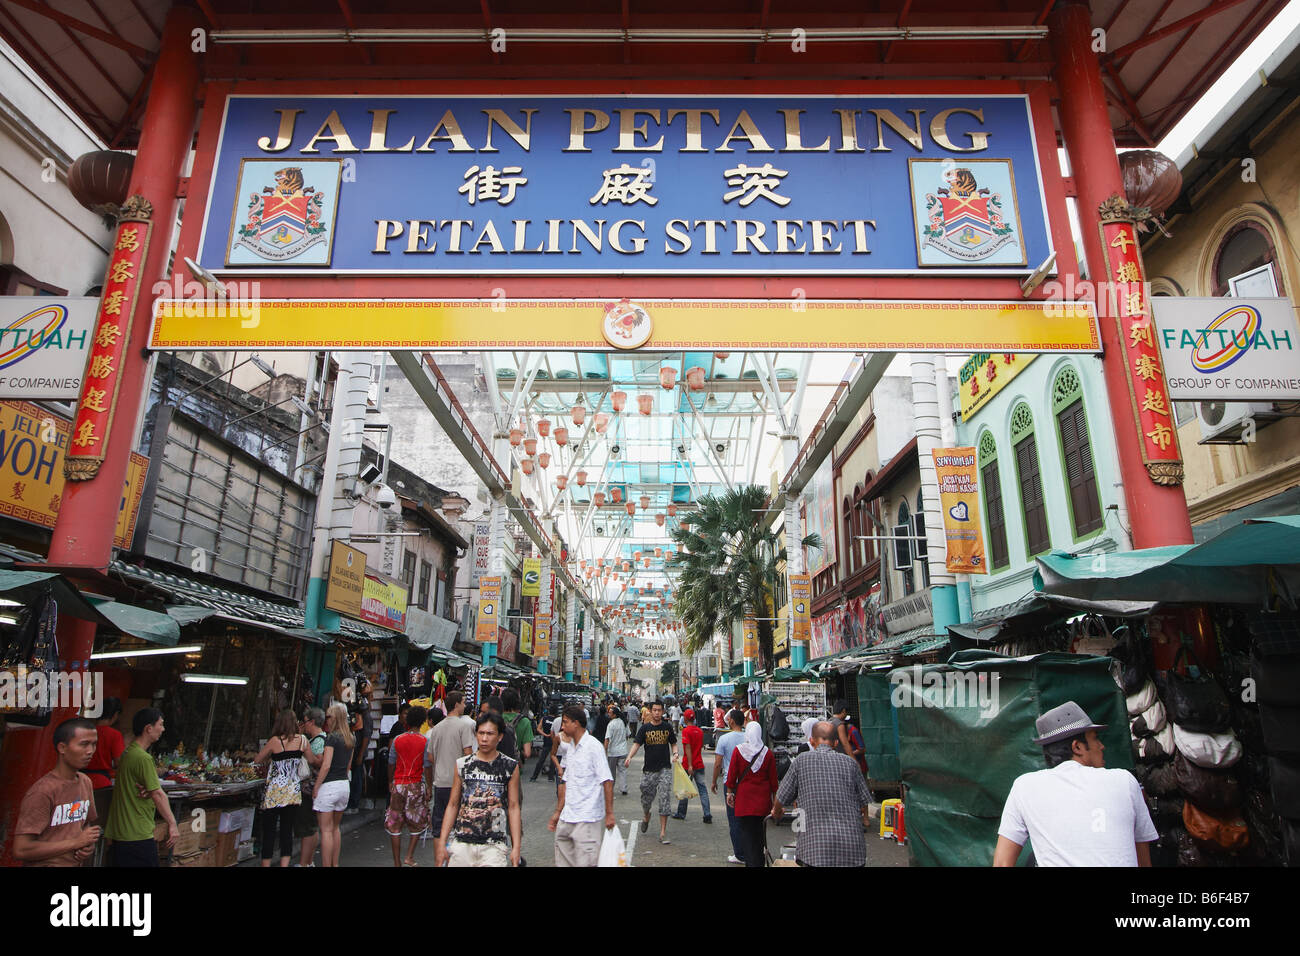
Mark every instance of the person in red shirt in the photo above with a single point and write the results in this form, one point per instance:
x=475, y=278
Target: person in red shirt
x=720, y=717
x=410, y=784
x=109, y=746
x=751, y=782
x=693, y=764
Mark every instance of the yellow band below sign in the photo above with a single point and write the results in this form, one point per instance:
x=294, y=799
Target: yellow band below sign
x=309, y=324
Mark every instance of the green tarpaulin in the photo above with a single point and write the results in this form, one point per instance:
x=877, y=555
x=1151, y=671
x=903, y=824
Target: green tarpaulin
x=965, y=731
x=147, y=625
x=1240, y=566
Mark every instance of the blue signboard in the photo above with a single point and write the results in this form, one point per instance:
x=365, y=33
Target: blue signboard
x=545, y=185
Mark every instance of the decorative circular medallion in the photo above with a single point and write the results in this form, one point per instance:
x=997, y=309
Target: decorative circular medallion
x=626, y=325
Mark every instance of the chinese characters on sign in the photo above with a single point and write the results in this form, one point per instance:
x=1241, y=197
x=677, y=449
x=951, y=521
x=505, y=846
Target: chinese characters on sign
x=94, y=417
x=1144, y=370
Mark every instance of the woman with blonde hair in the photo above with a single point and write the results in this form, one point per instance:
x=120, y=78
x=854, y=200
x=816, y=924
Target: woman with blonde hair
x=330, y=797
x=283, y=792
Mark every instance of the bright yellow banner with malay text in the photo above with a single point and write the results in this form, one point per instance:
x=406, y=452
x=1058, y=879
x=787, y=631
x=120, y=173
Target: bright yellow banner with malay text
x=960, y=501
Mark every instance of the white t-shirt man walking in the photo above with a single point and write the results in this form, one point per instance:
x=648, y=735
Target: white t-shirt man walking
x=586, y=796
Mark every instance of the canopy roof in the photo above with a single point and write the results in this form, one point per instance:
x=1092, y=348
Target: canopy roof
x=1158, y=59
x=1241, y=565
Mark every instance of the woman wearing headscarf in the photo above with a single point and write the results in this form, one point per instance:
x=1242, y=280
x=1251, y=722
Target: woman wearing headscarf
x=751, y=782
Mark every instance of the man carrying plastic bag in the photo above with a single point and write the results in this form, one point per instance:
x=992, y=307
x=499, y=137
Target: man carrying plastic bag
x=613, y=851
x=578, y=813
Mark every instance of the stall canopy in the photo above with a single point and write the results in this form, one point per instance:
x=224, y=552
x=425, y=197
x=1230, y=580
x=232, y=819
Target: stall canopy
x=151, y=626
x=1243, y=565
x=1040, y=609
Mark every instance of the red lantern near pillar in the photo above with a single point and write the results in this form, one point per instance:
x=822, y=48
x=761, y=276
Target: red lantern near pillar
x=616, y=495
x=636, y=555
x=721, y=356
x=561, y=481
x=530, y=446
x=645, y=502
x=561, y=436
x=627, y=565
x=580, y=478
x=526, y=466
x=659, y=519
x=599, y=499
x=602, y=422
x=544, y=459
x=645, y=404
x=579, y=414
x=659, y=553
x=544, y=427
x=631, y=508
x=645, y=562
x=695, y=379
x=667, y=378
x=618, y=399
x=516, y=436
x=672, y=511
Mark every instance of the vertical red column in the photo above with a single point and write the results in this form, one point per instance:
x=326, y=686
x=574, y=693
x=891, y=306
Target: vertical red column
x=83, y=536
x=1157, y=512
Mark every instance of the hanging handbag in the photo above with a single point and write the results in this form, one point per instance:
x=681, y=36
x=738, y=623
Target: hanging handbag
x=1150, y=722
x=1142, y=699
x=1228, y=833
x=1195, y=703
x=1215, y=751
x=1157, y=747
x=1215, y=790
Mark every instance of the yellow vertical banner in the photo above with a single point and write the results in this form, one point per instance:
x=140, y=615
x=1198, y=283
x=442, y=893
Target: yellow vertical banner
x=489, y=609
x=532, y=577
x=959, y=499
x=801, y=599
x=525, y=638
x=750, y=630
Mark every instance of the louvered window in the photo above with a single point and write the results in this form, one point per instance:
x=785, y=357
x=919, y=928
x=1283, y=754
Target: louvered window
x=993, y=509
x=1032, y=502
x=1076, y=453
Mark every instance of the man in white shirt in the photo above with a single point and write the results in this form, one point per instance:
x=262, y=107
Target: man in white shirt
x=675, y=716
x=1076, y=812
x=586, y=796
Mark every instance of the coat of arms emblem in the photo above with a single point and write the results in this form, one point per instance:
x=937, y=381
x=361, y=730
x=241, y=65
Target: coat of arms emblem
x=287, y=212
x=966, y=218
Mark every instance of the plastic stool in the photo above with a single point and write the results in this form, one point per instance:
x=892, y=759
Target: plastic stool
x=900, y=827
x=890, y=812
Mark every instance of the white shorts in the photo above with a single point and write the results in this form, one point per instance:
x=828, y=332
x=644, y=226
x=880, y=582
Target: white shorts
x=333, y=797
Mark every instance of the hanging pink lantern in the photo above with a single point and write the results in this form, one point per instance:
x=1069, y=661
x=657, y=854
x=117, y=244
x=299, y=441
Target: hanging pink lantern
x=561, y=436
x=599, y=499
x=659, y=519
x=602, y=422
x=526, y=466
x=544, y=427
x=645, y=502
x=646, y=562
x=583, y=565
x=659, y=552
x=672, y=511
x=544, y=459
x=631, y=508
x=645, y=404
x=516, y=436
x=636, y=555
x=530, y=446
x=579, y=414
x=580, y=478
x=618, y=399
x=695, y=379
x=561, y=481
x=627, y=565
x=590, y=573
x=721, y=356
x=616, y=495
x=600, y=562
x=667, y=378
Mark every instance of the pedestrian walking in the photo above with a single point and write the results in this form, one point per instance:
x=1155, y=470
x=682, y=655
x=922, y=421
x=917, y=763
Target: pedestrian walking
x=363, y=729
x=675, y=716
x=586, y=796
x=410, y=785
x=632, y=713
x=330, y=795
x=751, y=781
x=832, y=797
x=306, y=825
x=483, y=825
x=56, y=819
x=283, y=792
x=544, y=764
x=520, y=725
x=616, y=747
x=724, y=749
x=138, y=796
x=1058, y=808
x=452, y=739
x=693, y=764
x=660, y=743
x=719, y=717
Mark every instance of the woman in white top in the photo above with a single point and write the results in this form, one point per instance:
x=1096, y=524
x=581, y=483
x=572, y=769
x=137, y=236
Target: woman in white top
x=616, y=747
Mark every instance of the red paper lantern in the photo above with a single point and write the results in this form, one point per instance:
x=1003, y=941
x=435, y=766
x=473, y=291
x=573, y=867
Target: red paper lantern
x=646, y=562
x=544, y=427
x=516, y=436
x=544, y=459
x=561, y=436
x=636, y=555
x=645, y=403
x=581, y=478
x=579, y=414
x=695, y=379
x=667, y=378
x=672, y=511
x=627, y=565
x=561, y=481
x=619, y=399
x=616, y=495
x=599, y=499
x=659, y=552
x=602, y=422
x=721, y=356
x=526, y=466
x=659, y=519
x=631, y=508
x=645, y=502
x=530, y=446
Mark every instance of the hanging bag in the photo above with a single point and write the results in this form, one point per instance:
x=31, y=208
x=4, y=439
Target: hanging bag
x=613, y=850
x=1194, y=703
x=1228, y=833
x=1215, y=751
x=1142, y=699
x=1151, y=721
x=1215, y=790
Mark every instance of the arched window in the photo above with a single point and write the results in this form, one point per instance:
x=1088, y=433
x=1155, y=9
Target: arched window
x=1076, y=452
x=1032, y=503
x=903, y=551
x=995, y=514
x=863, y=511
x=1245, y=262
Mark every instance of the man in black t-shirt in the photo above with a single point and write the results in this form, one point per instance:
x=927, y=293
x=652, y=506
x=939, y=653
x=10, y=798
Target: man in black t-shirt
x=660, y=743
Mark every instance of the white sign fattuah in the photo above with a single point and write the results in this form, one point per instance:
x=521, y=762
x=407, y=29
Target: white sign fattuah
x=43, y=346
x=482, y=534
x=1228, y=349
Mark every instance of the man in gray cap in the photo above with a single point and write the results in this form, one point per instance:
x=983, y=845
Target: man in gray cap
x=1076, y=811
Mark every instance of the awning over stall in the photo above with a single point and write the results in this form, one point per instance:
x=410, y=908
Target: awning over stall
x=1243, y=565
x=152, y=626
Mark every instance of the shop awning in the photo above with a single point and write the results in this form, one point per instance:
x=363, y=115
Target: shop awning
x=1035, y=608
x=151, y=626
x=1240, y=566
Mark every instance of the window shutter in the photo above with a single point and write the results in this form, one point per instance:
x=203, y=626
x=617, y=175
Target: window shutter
x=997, y=519
x=1031, y=496
x=1081, y=478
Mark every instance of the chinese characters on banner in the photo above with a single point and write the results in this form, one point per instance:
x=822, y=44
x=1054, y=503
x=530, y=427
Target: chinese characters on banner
x=801, y=598
x=489, y=609
x=960, y=500
x=102, y=378
x=1140, y=345
x=750, y=630
x=542, y=616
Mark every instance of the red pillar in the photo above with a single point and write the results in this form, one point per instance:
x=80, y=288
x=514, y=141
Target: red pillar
x=1157, y=513
x=83, y=535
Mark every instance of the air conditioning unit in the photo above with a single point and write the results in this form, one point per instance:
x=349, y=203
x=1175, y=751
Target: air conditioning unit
x=1232, y=423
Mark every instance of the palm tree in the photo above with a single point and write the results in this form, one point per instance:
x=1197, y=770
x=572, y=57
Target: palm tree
x=727, y=558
